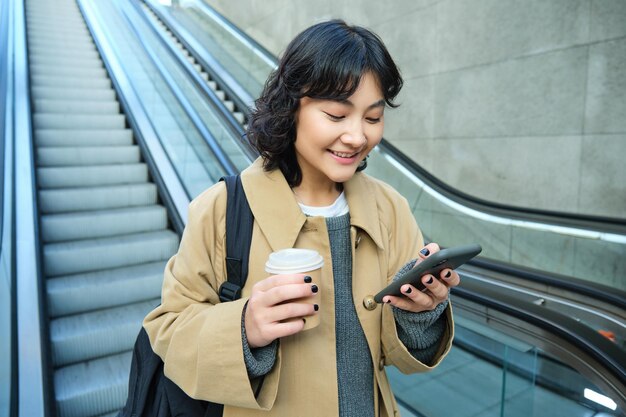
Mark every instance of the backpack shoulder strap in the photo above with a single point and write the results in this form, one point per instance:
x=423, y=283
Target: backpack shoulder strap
x=239, y=221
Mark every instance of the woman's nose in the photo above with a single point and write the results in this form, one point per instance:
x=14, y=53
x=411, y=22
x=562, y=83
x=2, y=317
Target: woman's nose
x=354, y=137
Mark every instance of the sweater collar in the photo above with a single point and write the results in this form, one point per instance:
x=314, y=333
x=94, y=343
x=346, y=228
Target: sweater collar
x=279, y=216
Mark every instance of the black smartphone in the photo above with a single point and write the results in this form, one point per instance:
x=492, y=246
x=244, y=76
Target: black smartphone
x=446, y=258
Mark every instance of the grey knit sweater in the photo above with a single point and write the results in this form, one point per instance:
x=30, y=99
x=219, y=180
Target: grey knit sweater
x=420, y=332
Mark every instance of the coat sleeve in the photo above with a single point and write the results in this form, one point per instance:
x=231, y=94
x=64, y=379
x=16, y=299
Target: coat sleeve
x=199, y=338
x=405, y=241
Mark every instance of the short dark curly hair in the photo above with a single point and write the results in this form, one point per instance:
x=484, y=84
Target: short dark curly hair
x=325, y=61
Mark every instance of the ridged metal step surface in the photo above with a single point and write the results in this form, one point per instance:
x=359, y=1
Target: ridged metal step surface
x=75, y=106
x=87, y=336
x=87, y=155
x=109, y=252
x=96, y=198
x=79, y=121
x=73, y=93
x=63, y=81
x=71, y=294
x=105, y=391
x=83, y=137
x=102, y=223
x=96, y=175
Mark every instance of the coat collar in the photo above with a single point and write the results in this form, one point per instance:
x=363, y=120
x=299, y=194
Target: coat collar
x=279, y=216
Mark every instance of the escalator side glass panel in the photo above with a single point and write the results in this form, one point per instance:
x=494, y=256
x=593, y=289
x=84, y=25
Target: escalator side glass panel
x=486, y=374
x=192, y=159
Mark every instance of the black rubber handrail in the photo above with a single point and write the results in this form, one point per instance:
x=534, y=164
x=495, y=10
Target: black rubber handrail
x=605, y=352
x=582, y=221
x=609, y=295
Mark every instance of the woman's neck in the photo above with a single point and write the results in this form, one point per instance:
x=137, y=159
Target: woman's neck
x=317, y=196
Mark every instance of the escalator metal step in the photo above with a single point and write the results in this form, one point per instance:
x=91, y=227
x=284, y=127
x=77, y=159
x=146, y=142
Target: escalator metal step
x=79, y=121
x=96, y=198
x=71, y=294
x=88, y=255
x=91, y=175
x=102, y=223
x=87, y=336
x=87, y=155
x=83, y=137
x=75, y=72
x=53, y=60
x=63, y=51
x=64, y=81
x=94, y=387
x=76, y=106
x=73, y=93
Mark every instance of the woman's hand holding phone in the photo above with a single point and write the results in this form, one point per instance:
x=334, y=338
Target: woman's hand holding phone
x=437, y=288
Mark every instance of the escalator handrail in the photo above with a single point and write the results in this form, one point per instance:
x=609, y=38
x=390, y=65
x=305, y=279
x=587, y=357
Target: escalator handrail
x=605, y=352
x=582, y=221
x=573, y=220
x=231, y=123
x=33, y=378
x=609, y=295
x=8, y=337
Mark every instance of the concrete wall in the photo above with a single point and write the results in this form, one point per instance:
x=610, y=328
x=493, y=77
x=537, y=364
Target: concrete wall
x=522, y=103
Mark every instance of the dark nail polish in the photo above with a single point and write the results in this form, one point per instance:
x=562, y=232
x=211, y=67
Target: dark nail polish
x=408, y=290
x=314, y=288
x=448, y=274
x=425, y=252
x=316, y=307
x=430, y=280
x=308, y=279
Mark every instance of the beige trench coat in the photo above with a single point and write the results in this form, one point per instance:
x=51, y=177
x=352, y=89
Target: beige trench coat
x=199, y=338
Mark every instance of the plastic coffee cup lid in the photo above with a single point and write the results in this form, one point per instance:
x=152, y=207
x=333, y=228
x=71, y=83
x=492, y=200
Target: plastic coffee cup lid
x=293, y=261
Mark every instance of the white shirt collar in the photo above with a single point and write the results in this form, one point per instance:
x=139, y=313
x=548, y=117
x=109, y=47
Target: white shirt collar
x=338, y=208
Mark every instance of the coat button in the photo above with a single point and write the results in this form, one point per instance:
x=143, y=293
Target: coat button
x=381, y=364
x=369, y=303
x=358, y=240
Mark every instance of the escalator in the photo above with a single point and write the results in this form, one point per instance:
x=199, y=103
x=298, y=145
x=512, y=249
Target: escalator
x=198, y=142
x=104, y=235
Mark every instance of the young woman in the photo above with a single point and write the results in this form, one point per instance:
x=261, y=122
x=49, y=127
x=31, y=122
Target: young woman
x=319, y=116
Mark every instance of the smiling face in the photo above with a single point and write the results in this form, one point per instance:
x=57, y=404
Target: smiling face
x=333, y=137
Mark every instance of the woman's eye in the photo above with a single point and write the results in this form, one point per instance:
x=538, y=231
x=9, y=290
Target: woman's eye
x=373, y=120
x=334, y=117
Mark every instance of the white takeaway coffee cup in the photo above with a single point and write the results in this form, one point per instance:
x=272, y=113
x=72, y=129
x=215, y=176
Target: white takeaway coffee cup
x=299, y=261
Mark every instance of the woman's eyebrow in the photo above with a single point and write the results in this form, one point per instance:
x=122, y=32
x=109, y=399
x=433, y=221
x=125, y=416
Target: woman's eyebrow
x=379, y=103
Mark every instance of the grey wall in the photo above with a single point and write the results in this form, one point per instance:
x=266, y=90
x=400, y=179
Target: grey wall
x=522, y=103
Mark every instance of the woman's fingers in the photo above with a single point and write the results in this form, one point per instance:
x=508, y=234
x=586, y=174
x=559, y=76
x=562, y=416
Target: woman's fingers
x=428, y=250
x=268, y=307
x=450, y=277
x=287, y=311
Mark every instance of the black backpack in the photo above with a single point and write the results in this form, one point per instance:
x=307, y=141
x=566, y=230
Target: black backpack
x=150, y=392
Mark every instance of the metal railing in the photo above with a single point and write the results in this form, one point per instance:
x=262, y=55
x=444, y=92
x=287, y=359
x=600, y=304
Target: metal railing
x=33, y=378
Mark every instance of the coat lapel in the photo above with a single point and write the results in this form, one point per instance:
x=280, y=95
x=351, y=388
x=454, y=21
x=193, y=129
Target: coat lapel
x=363, y=207
x=273, y=204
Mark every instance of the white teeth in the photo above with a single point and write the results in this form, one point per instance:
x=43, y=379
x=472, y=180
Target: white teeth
x=343, y=154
